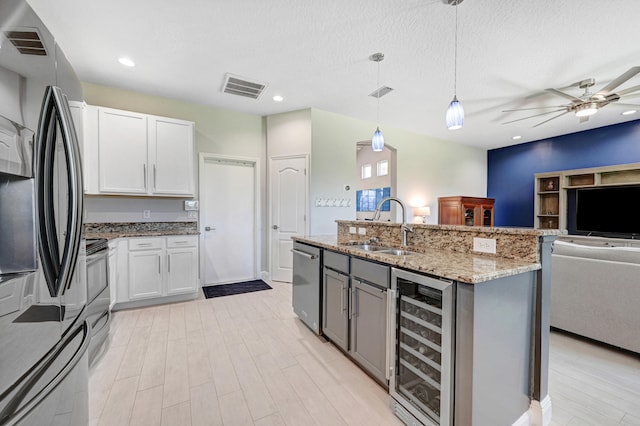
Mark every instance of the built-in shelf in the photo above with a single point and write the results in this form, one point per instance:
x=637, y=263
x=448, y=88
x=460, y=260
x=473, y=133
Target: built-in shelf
x=550, y=189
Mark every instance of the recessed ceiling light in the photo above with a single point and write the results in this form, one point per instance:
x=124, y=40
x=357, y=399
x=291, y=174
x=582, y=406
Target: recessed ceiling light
x=631, y=111
x=278, y=98
x=126, y=62
x=515, y=138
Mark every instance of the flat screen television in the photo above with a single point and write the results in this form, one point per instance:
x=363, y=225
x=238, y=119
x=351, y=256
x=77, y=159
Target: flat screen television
x=608, y=211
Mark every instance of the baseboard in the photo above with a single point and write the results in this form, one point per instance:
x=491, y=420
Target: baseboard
x=539, y=414
x=264, y=276
x=142, y=303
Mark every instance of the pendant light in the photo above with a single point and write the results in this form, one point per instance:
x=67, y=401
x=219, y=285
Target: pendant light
x=455, y=112
x=377, y=141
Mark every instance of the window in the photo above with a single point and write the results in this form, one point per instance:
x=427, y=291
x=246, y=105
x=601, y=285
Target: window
x=383, y=167
x=368, y=199
x=366, y=171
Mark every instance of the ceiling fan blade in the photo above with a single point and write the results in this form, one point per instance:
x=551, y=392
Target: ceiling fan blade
x=537, y=115
x=629, y=90
x=552, y=118
x=618, y=81
x=628, y=105
x=540, y=107
x=564, y=95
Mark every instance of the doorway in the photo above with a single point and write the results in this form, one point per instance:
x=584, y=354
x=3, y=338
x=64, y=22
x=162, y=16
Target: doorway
x=229, y=218
x=289, y=188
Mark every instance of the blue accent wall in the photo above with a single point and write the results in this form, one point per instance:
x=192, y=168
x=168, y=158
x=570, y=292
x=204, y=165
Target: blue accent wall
x=511, y=169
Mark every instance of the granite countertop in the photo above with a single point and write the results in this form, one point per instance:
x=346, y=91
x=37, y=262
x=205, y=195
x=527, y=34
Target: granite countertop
x=463, y=267
x=128, y=234
x=111, y=231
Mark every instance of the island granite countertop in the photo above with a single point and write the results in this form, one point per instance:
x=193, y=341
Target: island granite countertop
x=464, y=267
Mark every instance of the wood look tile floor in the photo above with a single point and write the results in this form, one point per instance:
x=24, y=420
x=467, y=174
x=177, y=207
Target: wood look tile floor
x=248, y=360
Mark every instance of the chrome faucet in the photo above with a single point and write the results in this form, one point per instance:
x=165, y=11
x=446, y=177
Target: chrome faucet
x=406, y=228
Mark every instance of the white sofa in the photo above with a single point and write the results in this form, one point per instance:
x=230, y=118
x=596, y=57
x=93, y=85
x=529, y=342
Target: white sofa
x=595, y=292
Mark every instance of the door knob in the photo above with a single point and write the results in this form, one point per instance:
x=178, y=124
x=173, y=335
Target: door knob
x=208, y=228
x=275, y=227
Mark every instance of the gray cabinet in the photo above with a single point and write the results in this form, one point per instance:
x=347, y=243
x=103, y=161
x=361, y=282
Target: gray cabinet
x=355, y=310
x=369, y=327
x=335, y=318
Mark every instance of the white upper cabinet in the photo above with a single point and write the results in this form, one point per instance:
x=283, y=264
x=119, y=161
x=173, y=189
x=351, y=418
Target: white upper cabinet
x=129, y=153
x=171, y=156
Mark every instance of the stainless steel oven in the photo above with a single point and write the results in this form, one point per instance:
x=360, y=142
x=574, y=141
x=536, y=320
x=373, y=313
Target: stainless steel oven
x=98, y=294
x=422, y=350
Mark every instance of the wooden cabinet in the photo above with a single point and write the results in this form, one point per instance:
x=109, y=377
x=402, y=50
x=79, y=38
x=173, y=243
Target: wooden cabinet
x=551, y=190
x=129, y=153
x=470, y=211
x=548, y=201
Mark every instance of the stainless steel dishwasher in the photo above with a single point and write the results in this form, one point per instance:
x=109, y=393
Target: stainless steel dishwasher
x=307, y=284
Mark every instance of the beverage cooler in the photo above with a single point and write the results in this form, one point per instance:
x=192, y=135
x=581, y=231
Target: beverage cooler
x=422, y=354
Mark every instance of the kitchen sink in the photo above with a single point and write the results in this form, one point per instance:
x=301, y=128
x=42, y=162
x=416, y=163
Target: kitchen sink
x=384, y=250
x=398, y=252
x=369, y=247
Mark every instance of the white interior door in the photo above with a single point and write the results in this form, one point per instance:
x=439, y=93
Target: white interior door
x=227, y=220
x=288, y=212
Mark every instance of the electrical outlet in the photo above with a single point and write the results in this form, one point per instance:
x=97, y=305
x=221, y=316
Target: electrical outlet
x=362, y=231
x=192, y=214
x=484, y=245
x=352, y=230
x=146, y=214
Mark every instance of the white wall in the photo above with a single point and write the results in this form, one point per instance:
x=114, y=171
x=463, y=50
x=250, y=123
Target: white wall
x=428, y=168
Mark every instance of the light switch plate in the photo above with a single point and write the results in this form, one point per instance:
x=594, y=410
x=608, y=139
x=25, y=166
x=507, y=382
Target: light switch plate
x=352, y=230
x=484, y=245
x=362, y=231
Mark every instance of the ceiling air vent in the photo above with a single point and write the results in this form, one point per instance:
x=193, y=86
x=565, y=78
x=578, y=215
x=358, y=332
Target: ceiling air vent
x=27, y=41
x=242, y=86
x=380, y=92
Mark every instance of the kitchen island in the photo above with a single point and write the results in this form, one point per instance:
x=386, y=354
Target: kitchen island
x=496, y=368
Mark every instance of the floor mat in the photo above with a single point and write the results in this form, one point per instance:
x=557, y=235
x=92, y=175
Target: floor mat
x=234, y=288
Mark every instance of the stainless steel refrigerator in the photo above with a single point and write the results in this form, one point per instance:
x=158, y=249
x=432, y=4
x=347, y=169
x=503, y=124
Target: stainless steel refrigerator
x=44, y=334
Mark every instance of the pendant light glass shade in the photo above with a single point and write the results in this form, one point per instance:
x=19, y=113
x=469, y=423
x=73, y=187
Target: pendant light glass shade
x=455, y=112
x=455, y=115
x=377, y=141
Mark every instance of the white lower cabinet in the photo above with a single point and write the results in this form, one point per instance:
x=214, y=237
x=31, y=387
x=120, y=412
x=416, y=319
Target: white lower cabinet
x=160, y=267
x=182, y=264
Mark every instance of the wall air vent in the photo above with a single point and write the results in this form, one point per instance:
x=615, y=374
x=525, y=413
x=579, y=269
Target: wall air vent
x=27, y=41
x=242, y=86
x=380, y=92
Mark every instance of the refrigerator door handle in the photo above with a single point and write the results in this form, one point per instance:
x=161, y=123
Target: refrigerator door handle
x=13, y=412
x=58, y=271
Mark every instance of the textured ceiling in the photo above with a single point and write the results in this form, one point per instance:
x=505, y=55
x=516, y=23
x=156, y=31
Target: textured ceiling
x=315, y=54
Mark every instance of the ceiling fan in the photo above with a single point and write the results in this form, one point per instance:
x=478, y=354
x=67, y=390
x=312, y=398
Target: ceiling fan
x=588, y=103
